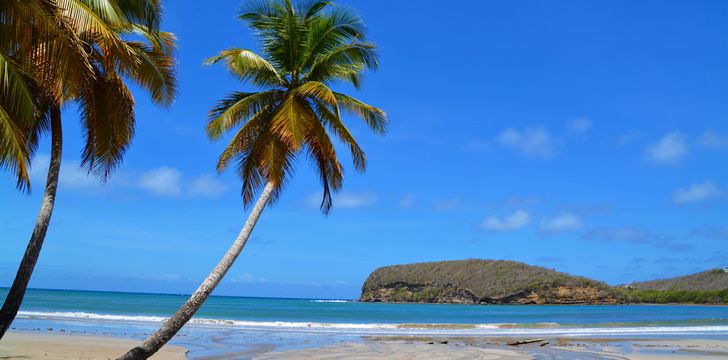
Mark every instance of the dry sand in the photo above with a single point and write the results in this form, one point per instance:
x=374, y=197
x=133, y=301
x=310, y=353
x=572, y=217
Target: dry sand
x=28, y=346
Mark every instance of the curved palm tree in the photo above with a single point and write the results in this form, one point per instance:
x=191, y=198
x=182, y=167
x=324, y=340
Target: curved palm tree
x=305, y=49
x=118, y=40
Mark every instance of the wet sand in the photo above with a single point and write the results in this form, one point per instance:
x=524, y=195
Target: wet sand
x=32, y=345
x=396, y=351
x=423, y=348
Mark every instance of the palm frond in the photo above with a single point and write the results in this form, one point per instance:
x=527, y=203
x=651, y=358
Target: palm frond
x=338, y=28
x=342, y=62
x=155, y=69
x=317, y=90
x=374, y=117
x=322, y=152
x=107, y=117
x=249, y=66
x=332, y=119
x=147, y=13
x=289, y=122
x=13, y=150
x=245, y=137
x=237, y=108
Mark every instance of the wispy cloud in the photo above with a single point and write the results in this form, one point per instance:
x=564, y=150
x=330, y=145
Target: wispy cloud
x=696, y=193
x=206, y=186
x=163, y=277
x=618, y=234
x=162, y=181
x=628, y=137
x=446, y=204
x=246, y=278
x=560, y=224
x=580, y=126
x=349, y=200
x=407, y=200
x=670, y=149
x=712, y=140
x=710, y=232
x=531, y=141
x=511, y=222
x=345, y=200
x=71, y=174
x=636, y=235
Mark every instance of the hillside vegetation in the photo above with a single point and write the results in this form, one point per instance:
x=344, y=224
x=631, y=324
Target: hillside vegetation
x=715, y=279
x=508, y=282
x=483, y=281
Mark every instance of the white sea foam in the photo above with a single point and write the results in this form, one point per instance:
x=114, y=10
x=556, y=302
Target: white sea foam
x=549, y=329
x=330, y=301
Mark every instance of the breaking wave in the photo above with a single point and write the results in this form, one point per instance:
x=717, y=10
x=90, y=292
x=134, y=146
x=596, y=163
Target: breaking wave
x=546, y=329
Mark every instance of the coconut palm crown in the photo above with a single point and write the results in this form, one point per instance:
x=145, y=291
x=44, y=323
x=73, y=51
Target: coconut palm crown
x=305, y=49
x=53, y=52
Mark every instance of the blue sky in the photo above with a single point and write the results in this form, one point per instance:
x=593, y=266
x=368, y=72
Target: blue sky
x=590, y=137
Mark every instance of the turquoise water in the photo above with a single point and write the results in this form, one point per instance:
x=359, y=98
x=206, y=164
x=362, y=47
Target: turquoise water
x=376, y=318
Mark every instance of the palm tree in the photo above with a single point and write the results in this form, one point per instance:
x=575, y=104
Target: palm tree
x=38, y=48
x=306, y=48
x=117, y=40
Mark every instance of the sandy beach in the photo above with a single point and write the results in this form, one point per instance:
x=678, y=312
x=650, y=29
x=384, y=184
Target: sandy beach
x=28, y=346
x=497, y=349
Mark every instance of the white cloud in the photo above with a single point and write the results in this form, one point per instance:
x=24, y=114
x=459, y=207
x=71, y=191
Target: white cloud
x=696, y=193
x=582, y=125
x=345, y=200
x=529, y=141
x=560, y=224
x=206, y=186
x=510, y=222
x=713, y=140
x=162, y=181
x=354, y=200
x=71, y=174
x=407, y=201
x=669, y=149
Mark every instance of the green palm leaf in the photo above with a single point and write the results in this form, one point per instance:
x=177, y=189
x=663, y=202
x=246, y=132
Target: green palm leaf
x=305, y=48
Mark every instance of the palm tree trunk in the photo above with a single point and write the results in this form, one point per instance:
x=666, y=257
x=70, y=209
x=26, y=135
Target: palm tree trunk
x=30, y=258
x=170, y=327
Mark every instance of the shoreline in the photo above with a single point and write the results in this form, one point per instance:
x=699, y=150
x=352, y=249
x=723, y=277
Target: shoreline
x=45, y=345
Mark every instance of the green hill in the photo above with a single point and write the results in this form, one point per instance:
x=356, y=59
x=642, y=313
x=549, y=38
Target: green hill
x=483, y=281
x=715, y=279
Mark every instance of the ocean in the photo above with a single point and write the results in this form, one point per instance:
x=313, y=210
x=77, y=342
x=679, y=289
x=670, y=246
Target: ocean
x=238, y=323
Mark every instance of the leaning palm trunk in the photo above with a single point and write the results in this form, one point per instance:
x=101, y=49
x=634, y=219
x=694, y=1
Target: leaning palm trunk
x=30, y=258
x=170, y=327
